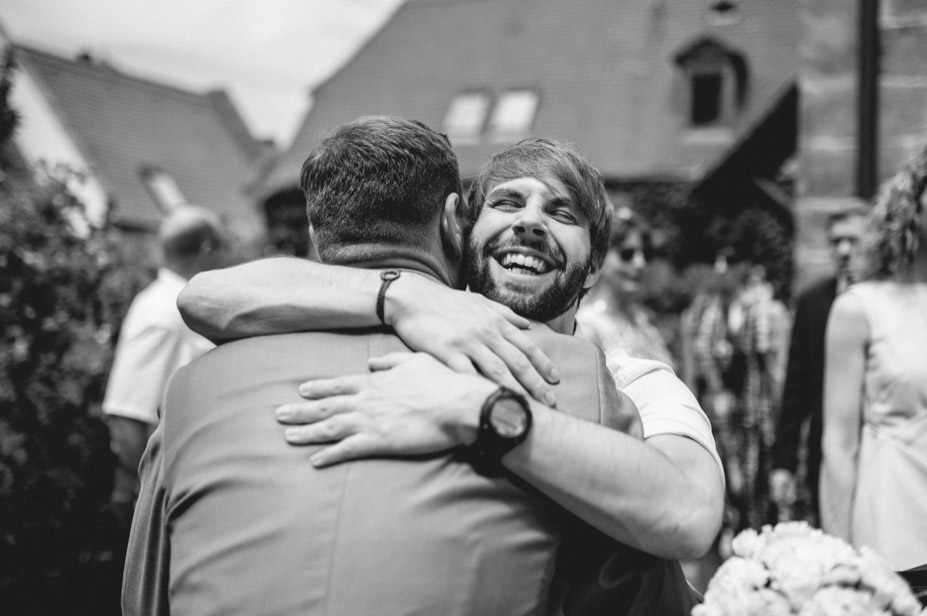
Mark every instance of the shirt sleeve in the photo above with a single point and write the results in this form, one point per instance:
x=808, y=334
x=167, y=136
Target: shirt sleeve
x=147, y=571
x=144, y=361
x=665, y=404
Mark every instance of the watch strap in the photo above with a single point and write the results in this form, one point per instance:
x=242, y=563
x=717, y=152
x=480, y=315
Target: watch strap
x=387, y=277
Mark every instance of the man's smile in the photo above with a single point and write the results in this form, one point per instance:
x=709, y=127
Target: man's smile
x=523, y=260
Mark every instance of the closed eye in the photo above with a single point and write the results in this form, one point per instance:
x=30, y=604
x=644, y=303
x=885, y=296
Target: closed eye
x=506, y=205
x=565, y=215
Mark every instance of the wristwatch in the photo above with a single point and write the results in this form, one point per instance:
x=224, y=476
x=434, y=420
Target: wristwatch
x=505, y=421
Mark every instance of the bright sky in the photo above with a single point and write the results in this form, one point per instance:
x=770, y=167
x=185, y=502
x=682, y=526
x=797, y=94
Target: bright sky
x=267, y=54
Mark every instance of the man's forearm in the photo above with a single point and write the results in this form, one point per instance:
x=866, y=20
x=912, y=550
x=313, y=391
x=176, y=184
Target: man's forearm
x=279, y=295
x=662, y=496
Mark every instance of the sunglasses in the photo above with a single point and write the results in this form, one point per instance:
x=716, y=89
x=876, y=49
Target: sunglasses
x=836, y=240
x=627, y=254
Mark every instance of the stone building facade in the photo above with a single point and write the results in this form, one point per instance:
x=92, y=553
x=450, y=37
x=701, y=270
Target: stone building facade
x=863, y=109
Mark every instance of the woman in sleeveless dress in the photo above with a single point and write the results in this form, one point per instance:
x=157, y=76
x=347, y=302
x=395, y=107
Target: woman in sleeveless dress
x=874, y=471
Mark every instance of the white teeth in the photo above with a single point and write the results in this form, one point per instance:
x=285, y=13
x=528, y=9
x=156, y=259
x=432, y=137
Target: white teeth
x=535, y=264
x=526, y=262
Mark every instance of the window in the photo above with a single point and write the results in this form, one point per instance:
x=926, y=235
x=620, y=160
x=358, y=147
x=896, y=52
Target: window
x=723, y=12
x=716, y=83
x=513, y=115
x=706, y=98
x=465, y=117
x=163, y=188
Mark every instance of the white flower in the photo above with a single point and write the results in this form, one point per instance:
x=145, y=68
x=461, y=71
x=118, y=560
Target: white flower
x=794, y=569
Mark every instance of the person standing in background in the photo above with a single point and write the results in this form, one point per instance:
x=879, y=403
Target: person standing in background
x=796, y=493
x=759, y=325
x=874, y=444
x=153, y=342
x=612, y=316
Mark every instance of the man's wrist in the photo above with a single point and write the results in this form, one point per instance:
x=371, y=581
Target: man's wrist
x=467, y=422
x=403, y=295
x=387, y=277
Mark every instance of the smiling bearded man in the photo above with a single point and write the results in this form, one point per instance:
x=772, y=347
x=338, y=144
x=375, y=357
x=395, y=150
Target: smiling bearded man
x=542, y=265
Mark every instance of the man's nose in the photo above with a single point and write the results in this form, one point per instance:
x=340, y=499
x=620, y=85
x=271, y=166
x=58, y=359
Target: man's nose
x=530, y=222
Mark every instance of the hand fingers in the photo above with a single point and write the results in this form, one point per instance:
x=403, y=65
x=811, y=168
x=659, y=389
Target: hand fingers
x=390, y=360
x=324, y=388
x=461, y=364
x=351, y=448
x=495, y=369
x=534, y=354
x=302, y=412
x=504, y=362
x=327, y=430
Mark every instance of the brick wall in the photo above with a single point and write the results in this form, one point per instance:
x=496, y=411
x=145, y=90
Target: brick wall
x=828, y=114
x=903, y=85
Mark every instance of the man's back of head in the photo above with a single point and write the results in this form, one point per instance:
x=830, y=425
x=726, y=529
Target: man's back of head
x=376, y=186
x=190, y=237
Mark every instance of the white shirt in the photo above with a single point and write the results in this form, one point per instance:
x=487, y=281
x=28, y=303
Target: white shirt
x=665, y=404
x=153, y=343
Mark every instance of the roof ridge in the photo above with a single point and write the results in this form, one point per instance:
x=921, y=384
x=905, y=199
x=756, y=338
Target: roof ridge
x=104, y=67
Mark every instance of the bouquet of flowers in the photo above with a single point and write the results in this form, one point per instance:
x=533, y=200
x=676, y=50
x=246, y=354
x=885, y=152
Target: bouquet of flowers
x=795, y=569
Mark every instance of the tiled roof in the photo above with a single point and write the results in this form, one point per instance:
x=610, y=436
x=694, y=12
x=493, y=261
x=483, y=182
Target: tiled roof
x=123, y=124
x=605, y=71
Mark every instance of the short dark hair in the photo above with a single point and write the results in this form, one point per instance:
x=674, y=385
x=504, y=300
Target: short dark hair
x=543, y=159
x=858, y=210
x=377, y=180
x=184, y=231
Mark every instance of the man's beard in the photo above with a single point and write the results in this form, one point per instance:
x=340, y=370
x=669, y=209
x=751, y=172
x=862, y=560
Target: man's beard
x=543, y=306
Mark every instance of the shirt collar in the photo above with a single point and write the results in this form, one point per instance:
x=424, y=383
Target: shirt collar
x=171, y=278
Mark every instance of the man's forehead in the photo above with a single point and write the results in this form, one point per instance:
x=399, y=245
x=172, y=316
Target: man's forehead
x=525, y=184
x=849, y=226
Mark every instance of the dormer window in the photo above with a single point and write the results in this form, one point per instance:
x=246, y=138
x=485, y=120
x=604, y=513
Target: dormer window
x=707, y=90
x=513, y=115
x=723, y=12
x=465, y=117
x=717, y=83
x=163, y=188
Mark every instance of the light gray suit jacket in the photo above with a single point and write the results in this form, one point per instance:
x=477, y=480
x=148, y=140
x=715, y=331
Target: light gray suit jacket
x=233, y=520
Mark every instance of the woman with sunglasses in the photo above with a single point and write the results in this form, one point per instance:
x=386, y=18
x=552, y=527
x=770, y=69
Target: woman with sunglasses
x=612, y=316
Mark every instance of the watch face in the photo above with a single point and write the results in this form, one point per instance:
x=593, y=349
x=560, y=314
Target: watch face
x=508, y=418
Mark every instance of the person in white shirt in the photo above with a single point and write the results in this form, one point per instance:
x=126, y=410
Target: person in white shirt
x=154, y=342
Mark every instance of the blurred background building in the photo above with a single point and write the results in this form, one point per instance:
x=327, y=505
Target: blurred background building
x=863, y=84
x=142, y=147
x=695, y=112
x=657, y=94
x=734, y=126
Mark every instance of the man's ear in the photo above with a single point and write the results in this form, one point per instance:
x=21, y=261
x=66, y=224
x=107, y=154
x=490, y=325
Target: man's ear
x=595, y=270
x=451, y=233
x=313, y=254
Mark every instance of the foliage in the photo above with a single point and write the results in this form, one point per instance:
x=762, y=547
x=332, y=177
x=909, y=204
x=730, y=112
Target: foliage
x=59, y=308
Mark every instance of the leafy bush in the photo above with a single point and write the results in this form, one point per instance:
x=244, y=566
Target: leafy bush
x=62, y=295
